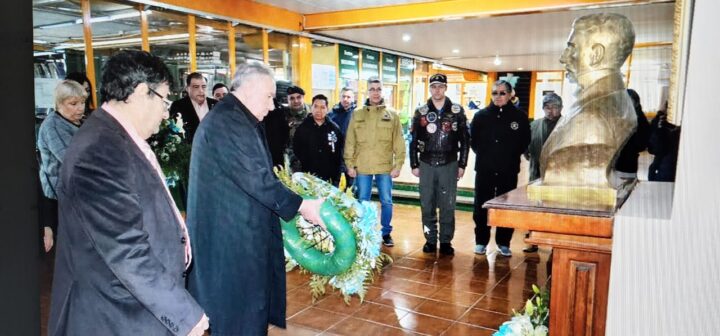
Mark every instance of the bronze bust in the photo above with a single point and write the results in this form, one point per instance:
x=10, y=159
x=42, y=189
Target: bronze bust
x=577, y=159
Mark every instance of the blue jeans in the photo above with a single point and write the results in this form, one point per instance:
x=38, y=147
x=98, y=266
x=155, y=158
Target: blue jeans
x=384, y=185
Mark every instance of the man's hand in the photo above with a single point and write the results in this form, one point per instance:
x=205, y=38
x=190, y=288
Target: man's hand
x=395, y=173
x=48, y=240
x=310, y=210
x=200, y=327
x=352, y=172
x=461, y=172
x=416, y=172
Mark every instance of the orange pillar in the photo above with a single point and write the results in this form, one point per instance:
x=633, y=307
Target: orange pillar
x=89, y=56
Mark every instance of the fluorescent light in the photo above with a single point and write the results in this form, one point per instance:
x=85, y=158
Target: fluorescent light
x=94, y=20
x=132, y=40
x=520, y=68
x=497, y=60
x=40, y=42
x=406, y=37
x=295, y=45
x=456, y=51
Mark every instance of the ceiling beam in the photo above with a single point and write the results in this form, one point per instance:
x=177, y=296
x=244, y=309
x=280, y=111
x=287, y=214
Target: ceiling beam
x=447, y=10
x=245, y=11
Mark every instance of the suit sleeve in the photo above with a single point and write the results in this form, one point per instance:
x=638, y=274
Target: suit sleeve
x=398, y=144
x=463, y=139
x=413, y=141
x=112, y=217
x=245, y=164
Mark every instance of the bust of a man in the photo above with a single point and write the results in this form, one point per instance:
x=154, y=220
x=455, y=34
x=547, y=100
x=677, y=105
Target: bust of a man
x=577, y=158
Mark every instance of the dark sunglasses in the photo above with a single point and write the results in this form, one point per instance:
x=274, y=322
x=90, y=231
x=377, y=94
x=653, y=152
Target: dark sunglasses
x=501, y=93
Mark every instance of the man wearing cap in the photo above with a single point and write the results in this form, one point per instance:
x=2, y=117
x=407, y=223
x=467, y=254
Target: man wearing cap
x=439, y=132
x=500, y=134
x=375, y=150
x=540, y=129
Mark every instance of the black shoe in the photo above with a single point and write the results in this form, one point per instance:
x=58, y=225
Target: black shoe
x=388, y=241
x=447, y=249
x=430, y=248
x=531, y=249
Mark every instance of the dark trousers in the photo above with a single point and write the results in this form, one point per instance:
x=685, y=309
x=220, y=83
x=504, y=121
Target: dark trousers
x=488, y=185
x=438, y=189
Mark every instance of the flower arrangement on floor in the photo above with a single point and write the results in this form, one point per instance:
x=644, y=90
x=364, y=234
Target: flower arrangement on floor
x=533, y=321
x=172, y=151
x=347, y=255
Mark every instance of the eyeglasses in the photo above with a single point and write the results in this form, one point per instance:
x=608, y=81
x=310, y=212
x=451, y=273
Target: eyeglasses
x=496, y=93
x=165, y=101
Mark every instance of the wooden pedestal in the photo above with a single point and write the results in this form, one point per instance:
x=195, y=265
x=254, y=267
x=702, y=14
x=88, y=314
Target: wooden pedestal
x=581, y=240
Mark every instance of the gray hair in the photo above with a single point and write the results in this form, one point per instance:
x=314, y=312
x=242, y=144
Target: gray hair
x=617, y=26
x=552, y=99
x=346, y=89
x=507, y=84
x=373, y=80
x=69, y=89
x=247, y=70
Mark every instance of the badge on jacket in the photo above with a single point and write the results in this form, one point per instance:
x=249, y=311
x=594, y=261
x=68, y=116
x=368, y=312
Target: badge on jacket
x=423, y=121
x=423, y=110
x=514, y=125
x=432, y=117
x=431, y=128
x=332, y=139
x=386, y=116
x=446, y=126
x=454, y=126
x=455, y=108
x=421, y=146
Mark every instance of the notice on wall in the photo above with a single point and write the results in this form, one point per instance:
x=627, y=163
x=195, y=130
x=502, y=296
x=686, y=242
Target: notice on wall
x=323, y=77
x=389, y=68
x=407, y=65
x=45, y=92
x=349, y=62
x=370, y=64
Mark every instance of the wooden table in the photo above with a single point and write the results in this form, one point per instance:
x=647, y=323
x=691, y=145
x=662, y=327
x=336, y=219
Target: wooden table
x=581, y=238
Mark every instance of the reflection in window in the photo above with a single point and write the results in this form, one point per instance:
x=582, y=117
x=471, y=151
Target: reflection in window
x=168, y=32
x=211, y=40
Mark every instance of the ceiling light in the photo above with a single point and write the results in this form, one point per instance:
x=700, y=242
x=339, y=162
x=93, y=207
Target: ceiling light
x=456, y=51
x=497, y=60
x=521, y=68
x=295, y=45
x=406, y=37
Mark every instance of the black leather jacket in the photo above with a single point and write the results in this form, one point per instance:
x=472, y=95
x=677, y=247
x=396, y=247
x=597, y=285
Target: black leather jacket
x=438, y=136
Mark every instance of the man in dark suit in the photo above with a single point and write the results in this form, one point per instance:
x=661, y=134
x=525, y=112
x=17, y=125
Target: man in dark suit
x=195, y=106
x=122, y=246
x=234, y=205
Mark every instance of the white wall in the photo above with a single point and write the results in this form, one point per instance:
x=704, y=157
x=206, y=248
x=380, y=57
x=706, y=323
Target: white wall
x=665, y=278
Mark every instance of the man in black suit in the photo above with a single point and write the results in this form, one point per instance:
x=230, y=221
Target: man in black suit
x=195, y=106
x=122, y=246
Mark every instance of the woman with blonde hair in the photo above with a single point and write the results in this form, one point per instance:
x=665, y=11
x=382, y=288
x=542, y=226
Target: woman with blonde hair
x=54, y=136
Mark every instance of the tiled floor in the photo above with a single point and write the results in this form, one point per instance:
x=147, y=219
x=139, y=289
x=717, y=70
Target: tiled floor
x=419, y=294
x=422, y=294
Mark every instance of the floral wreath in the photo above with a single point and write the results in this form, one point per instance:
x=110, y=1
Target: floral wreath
x=347, y=255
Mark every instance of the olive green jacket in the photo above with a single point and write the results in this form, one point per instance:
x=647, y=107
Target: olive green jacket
x=374, y=143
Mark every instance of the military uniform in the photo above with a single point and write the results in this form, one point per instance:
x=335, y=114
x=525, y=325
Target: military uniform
x=437, y=138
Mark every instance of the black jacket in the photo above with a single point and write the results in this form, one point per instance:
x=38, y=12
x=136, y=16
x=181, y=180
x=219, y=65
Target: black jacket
x=438, y=136
x=627, y=160
x=320, y=148
x=277, y=133
x=499, y=135
x=190, y=118
x=664, y=144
